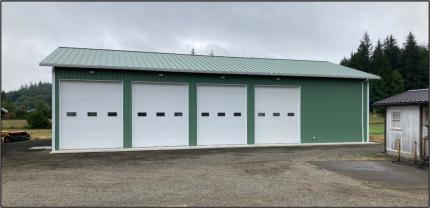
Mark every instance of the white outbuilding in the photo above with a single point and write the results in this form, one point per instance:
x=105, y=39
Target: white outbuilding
x=406, y=123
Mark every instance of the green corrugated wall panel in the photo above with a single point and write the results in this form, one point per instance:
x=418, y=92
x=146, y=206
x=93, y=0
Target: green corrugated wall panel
x=251, y=115
x=331, y=109
x=192, y=118
x=127, y=97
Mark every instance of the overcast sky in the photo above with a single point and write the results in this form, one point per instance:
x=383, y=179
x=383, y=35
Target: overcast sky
x=314, y=30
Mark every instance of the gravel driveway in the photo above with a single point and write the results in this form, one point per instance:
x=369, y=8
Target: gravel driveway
x=276, y=176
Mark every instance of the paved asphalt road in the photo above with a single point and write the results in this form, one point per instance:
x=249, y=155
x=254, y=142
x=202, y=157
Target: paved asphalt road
x=277, y=176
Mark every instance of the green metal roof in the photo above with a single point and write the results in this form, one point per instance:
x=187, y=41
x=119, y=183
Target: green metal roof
x=153, y=61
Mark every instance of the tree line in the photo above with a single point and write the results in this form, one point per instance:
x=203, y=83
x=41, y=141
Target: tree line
x=31, y=101
x=400, y=68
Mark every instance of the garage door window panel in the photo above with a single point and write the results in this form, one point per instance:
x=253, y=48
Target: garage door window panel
x=92, y=114
x=221, y=114
x=112, y=114
x=71, y=114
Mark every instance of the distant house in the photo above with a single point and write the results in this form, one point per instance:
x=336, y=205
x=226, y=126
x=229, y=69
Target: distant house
x=406, y=121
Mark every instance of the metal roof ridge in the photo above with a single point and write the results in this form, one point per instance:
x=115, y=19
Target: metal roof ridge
x=184, y=54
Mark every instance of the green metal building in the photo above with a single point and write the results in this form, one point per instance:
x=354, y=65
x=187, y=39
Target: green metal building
x=112, y=99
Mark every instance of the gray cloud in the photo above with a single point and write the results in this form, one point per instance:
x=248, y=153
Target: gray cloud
x=313, y=30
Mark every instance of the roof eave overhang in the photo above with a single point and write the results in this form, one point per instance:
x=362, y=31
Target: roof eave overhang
x=400, y=104
x=203, y=72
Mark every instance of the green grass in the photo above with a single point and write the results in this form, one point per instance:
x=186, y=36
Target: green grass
x=376, y=130
x=376, y=118
x=14, y=124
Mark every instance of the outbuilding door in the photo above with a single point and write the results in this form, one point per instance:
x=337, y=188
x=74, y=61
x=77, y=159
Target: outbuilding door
x=277, y=114
x=160, y=114
x=403, y=125
x=91, y=114
x=221, y=114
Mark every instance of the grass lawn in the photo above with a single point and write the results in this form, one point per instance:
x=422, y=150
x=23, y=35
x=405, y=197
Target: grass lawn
x=20, y=125
x=14, y=124
x=376, y=130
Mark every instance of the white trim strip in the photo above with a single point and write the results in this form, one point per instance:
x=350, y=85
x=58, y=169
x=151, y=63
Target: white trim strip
x=368, y=109
x=53, y=104
x=362, y=111
x=211, y=147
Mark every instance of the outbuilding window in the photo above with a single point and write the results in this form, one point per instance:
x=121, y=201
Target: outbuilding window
x=396, y=120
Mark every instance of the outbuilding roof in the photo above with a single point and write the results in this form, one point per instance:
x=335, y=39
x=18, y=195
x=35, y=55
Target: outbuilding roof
x=154, y=61
x=410, y=97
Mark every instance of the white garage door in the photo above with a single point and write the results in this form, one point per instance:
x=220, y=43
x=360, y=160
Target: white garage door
x=160, y=114
x=277, y=114
x=221, y=114
x=91, y=114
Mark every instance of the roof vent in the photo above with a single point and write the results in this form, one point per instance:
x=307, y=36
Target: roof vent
x=212, y=53
x=193, y=52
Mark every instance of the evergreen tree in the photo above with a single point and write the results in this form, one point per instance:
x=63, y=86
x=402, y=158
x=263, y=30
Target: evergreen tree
x=395, y=85
x=424, y=66
x=361, y=58
x=344, y=62
x=392, y=51
x=411, y=64
x=379, y=65
x=399, y=68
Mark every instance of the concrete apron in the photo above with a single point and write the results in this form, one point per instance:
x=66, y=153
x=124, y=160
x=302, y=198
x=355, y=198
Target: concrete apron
x=207, y=147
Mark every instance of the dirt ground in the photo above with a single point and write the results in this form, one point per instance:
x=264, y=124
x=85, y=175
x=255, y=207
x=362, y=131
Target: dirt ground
x=353, y=175
x=34, y=133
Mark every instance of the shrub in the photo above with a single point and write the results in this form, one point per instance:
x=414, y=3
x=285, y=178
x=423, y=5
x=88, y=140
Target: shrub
x=38, y=120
